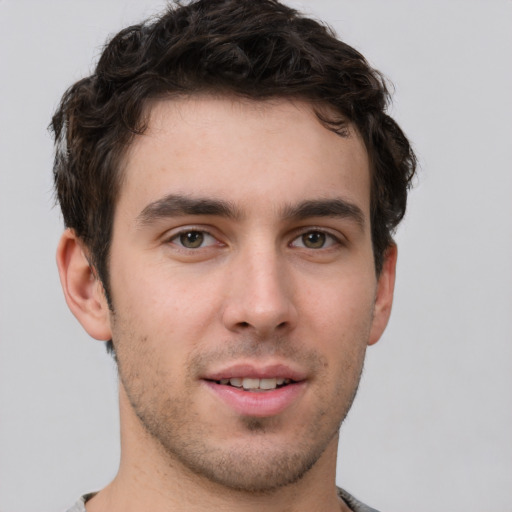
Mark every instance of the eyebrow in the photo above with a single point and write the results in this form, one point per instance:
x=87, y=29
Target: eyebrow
x=336, y=208
x=176, y=205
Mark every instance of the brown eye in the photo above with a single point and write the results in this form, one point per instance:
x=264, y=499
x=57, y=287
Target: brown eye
x=313, y=240
x=191, y=239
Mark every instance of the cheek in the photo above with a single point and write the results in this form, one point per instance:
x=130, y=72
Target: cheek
x=340, y=320
x=169, y=311
x=158, y=287
x=343, y=308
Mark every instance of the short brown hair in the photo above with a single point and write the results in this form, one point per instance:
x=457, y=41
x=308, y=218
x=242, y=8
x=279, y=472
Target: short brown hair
x=252, y=48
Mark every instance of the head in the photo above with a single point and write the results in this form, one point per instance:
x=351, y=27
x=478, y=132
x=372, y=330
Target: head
x=232, y=182
x=251, y=49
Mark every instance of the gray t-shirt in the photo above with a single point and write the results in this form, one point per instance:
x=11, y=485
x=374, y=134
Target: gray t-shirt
x=355, y=505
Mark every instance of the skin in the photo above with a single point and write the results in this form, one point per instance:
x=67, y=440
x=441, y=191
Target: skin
x=268, y=283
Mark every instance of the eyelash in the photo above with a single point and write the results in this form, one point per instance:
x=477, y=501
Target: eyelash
x=329, y=239
x=176, y=239
x=334, y=240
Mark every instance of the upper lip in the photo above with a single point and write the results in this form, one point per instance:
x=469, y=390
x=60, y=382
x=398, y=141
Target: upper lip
x=257, y=371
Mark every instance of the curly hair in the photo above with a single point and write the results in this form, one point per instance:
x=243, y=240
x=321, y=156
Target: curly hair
x=256, y=49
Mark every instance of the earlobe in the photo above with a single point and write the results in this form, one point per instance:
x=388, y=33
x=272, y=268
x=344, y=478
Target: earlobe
x=82, y=289
x=384, y=295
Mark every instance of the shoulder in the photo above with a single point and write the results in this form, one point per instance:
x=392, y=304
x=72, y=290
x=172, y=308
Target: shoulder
x=354, y=504
x=79, y=506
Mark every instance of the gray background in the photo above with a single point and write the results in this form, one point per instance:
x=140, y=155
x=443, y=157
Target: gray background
x=431, y=427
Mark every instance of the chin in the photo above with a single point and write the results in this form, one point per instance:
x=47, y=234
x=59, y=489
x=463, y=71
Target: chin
x=261, y=461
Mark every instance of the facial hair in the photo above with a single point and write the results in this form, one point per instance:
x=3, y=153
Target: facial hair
x=250, y=456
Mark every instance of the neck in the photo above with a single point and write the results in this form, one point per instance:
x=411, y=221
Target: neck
x=151, y=479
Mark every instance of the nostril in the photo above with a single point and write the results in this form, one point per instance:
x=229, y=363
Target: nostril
x=282, y=325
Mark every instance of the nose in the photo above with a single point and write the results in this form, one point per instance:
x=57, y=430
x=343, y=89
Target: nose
x=260, y=297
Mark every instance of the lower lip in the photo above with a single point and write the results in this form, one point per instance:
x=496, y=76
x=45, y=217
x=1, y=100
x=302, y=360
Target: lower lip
x=258, y=404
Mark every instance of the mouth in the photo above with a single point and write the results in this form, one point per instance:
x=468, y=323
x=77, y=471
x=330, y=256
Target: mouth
x=257, y=391
x=255, y=385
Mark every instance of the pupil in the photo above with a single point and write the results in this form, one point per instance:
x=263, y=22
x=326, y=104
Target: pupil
x=192, y=239
x=314, y=240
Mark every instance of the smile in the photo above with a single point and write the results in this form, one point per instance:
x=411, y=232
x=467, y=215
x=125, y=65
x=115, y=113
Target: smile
x=257, y=393
x=253, y=384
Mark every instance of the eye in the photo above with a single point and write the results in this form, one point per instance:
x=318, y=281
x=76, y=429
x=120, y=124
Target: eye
x=315, y=240
x=193, y=239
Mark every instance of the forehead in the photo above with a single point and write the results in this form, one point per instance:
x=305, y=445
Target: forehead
x=275, y=150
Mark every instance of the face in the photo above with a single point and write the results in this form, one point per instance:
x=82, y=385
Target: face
x=243, y=286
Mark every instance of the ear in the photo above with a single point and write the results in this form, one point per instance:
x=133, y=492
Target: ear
x=82, y=288
x=384, y=295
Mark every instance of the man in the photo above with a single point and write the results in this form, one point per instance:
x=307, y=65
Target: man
x=230, y=183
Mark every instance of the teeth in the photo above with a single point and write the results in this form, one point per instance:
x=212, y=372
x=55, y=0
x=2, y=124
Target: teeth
x=236, y=382
x=251, y=384
x=268, y=383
